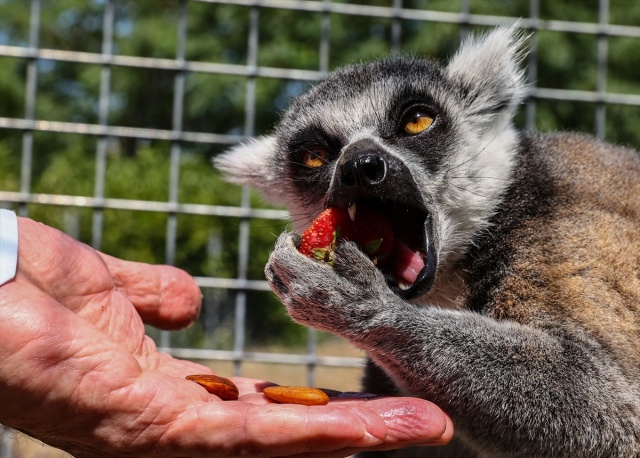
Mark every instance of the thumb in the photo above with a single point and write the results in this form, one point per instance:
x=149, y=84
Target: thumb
x=165, y=297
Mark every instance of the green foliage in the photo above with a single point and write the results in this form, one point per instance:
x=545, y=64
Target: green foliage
x=10, y=160
x=141, y=170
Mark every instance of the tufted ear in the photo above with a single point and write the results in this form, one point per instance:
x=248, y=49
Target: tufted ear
x=252, y=163
x=488, y=68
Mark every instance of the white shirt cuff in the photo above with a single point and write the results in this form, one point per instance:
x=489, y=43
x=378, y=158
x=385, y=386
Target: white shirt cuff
x=8, y=245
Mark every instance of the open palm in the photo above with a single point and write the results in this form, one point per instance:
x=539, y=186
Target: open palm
x=78, y=372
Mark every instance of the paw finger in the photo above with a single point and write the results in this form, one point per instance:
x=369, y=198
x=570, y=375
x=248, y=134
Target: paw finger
x=277, y=285
x=289, y=271
x=350, y=262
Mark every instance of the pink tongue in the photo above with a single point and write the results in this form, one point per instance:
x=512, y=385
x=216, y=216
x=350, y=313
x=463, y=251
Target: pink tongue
x=406, y=263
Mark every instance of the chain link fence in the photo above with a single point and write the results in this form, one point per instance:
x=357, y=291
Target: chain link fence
x=402, y=17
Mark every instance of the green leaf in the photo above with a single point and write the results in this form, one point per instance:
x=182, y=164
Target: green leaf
x=373, y=246
x=322, y=254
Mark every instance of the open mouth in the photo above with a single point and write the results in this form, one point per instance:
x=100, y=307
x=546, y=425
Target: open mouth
x=411, y=266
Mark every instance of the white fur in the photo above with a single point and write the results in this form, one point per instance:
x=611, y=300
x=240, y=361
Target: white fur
x=249, y=163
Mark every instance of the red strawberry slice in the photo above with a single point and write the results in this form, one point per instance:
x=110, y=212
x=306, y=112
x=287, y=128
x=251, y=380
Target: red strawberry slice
x=370, y=229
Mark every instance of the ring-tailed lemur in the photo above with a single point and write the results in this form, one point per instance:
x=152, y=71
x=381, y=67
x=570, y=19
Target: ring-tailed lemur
x=518, y=311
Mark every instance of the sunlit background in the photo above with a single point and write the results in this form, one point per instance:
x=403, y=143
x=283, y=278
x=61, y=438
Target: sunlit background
x=110, y=113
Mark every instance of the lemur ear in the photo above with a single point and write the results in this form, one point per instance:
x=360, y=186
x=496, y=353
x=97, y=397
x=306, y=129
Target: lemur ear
x=489, y=70
x=252, y=163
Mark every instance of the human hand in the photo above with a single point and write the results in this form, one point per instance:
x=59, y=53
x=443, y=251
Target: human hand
x=78, y=372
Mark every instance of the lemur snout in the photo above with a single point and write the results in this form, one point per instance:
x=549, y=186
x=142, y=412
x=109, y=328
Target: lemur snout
x=365, y=171
x=363, y=165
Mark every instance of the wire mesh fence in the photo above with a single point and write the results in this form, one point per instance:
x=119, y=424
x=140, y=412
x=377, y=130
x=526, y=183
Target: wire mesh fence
x=605, y=105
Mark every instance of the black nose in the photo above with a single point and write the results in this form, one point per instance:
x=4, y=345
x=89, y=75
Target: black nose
x=367, y=170
x=364, y=170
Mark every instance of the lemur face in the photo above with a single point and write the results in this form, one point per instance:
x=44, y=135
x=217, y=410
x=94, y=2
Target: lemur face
x=380, y=139
x=430, y=146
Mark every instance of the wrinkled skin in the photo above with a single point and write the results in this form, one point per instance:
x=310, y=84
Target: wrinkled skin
x=78, y=372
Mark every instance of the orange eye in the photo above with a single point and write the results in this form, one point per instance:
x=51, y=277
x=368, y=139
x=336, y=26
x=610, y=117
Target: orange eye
x=417, y=121
x=315, y=158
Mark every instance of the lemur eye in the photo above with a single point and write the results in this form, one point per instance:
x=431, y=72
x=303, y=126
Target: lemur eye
x=315, y=158
x=416, y=121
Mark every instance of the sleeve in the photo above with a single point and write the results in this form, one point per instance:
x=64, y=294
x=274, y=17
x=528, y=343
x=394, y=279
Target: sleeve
x=8, y=245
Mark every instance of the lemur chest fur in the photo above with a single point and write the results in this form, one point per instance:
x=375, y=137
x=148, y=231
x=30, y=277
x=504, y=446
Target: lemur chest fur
x=565, y=247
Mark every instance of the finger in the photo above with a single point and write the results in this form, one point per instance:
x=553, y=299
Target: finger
x=58, y=264
x=239, y=429
x=412, y=421
x=164, y=296
x=72, y=271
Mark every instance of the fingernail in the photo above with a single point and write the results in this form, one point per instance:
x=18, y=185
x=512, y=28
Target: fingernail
x=369, y=440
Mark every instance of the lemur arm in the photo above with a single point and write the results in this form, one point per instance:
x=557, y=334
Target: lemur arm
x=518, y=390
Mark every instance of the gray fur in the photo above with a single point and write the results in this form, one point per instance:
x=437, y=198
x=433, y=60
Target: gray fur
x=527, y=337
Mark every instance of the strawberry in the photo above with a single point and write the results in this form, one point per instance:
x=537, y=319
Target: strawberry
x=370, y=229
x=319, y=240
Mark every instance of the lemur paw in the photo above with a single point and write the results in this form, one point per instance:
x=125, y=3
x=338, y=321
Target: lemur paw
x=336, y=298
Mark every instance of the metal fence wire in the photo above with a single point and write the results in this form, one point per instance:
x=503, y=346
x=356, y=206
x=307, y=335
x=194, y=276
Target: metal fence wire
x=398, y=12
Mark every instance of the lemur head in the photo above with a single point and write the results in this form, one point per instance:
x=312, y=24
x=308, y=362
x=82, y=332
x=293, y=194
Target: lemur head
x=432, y=146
